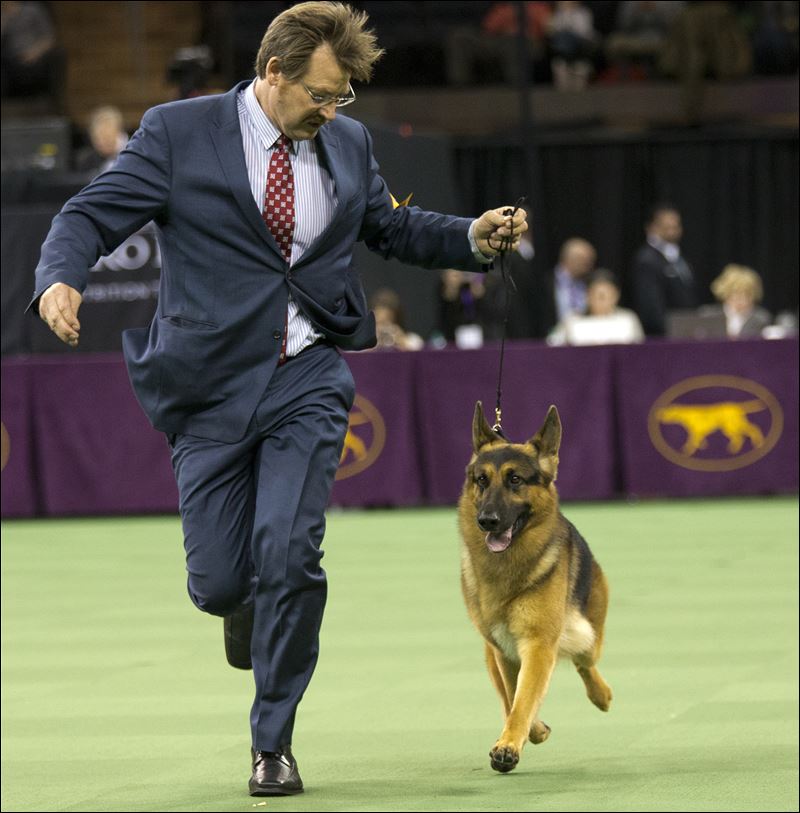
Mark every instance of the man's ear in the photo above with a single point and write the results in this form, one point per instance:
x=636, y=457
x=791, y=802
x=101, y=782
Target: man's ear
x=482, y=433
x=546, y=442
x=273, y=71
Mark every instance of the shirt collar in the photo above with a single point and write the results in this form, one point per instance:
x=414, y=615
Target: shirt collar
x=262, y=124
x=671, y=251
x=566, y=279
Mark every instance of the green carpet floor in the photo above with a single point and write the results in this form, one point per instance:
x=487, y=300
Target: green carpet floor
x=116, y=695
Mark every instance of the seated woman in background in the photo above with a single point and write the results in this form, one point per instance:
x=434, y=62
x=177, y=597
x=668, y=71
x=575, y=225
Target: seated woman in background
x=739, y=290
x=604, y=322
x=385, y=304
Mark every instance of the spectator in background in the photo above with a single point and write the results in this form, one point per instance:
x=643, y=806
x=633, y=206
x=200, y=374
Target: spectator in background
x=661, y=279
x=496, y=41
x=563, y=291
x=604, y=321
x=739, y=291
x=389, y=328
x=634, y=47
x=774, y=36
x=460, y=304
x=32, y=62
x=706, y=38
x=572, y=41
x=108, y=138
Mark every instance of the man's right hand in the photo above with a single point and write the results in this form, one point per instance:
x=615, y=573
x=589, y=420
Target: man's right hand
x=58, y=307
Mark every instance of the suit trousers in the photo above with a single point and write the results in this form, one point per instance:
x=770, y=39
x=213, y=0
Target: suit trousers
x=253, y=515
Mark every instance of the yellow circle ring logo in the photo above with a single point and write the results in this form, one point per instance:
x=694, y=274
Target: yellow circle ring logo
x=365, y=439
x=699, y=421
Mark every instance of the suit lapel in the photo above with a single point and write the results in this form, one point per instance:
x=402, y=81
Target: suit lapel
x=329, y=153
x=227, y=137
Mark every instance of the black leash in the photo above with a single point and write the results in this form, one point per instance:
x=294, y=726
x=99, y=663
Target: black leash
x=502, y=248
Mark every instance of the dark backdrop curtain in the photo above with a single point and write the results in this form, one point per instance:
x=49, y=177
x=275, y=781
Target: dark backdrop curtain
x=737, y=192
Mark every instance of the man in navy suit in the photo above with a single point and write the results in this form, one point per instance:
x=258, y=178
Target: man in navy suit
x=661, y=278
x=259, y=196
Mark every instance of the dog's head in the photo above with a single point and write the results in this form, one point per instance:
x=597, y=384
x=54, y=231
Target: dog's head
x=511, y=484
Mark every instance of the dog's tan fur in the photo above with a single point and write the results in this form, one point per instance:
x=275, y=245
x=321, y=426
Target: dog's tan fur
x=544, y=596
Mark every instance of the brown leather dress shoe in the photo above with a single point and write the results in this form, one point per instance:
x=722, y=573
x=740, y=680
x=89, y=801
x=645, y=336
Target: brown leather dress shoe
x=238, y=633
x=275, y=773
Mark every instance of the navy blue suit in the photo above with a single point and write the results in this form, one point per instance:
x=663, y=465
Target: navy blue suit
x=255, y=445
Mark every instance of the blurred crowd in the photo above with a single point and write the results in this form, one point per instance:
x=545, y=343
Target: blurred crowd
x=566, y=43
x=579, y=302
x=573, y=43
x=569, y=44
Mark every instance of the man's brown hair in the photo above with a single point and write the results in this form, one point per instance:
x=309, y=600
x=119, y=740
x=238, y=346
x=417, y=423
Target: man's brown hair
x=296, y=33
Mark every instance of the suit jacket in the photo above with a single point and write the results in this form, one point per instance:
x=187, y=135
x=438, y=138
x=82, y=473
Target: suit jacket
x=204, y=362
x=659, y=286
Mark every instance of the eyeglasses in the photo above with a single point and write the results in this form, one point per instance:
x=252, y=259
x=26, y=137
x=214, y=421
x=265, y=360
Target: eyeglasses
x=339, y=101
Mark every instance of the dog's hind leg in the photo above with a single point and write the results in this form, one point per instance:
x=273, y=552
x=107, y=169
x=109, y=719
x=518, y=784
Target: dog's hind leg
x=540, y=731
x=598, y=691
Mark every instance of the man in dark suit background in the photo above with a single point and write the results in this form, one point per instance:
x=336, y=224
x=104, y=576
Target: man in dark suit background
x=258, y=196
x=661, y=279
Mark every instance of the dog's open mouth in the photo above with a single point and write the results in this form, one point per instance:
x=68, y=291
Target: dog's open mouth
x=497, y=543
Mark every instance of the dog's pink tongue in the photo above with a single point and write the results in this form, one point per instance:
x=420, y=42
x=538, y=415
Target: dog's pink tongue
x=498, y=542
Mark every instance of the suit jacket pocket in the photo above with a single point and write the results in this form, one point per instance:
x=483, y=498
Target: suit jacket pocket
x=190, y=324
x=189, y=354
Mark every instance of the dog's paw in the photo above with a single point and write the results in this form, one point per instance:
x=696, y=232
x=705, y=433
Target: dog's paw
x=504, y=758
x=539, y=732
x=601, y=695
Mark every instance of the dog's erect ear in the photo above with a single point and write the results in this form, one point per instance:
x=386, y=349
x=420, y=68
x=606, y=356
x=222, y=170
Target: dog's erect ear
x=482, y=433
x=546, y=442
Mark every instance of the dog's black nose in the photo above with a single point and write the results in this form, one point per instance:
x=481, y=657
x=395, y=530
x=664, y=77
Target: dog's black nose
x=488, y=522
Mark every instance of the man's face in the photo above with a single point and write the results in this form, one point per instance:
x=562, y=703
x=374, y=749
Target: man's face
x=578, y=259
x=288, y=103
x=667, y=226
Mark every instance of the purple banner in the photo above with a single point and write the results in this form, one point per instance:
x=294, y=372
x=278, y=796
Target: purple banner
x=20, y=494
x=660, y=419
x=709, y=418
x=577, y=380
x=380, y=463
x=96, y=451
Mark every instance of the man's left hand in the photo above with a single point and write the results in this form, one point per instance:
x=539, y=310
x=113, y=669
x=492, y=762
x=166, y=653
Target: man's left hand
x=493, y=227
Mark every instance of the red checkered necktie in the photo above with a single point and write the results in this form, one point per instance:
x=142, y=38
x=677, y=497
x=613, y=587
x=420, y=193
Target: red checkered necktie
x=278, y=210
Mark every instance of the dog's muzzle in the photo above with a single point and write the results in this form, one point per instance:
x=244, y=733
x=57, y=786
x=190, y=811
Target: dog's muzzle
x=489, y=522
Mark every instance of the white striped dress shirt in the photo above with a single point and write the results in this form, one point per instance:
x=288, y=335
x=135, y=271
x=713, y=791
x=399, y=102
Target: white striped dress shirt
x=314, y=195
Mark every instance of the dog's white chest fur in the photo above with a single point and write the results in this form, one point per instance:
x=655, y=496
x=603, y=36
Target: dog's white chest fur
x=505, y=641
x=576, y=638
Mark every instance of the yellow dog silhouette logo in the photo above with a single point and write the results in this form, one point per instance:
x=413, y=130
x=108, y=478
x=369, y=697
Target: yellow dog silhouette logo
x=365, y=439
x=720, y=435
x=728, y=417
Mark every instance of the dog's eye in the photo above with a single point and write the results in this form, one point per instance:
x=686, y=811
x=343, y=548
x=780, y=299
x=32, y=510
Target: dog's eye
x=515, y=479
x=482, y=480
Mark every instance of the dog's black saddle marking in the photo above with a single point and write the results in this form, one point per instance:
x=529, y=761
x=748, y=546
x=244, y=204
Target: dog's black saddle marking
x=583, y=583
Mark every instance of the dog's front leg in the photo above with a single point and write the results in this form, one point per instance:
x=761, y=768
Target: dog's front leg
x=537, y=660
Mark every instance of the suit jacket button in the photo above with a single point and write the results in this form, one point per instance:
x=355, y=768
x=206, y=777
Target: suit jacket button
x=276, y=334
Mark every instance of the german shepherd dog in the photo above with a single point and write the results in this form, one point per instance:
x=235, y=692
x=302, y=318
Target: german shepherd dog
x=531, y=585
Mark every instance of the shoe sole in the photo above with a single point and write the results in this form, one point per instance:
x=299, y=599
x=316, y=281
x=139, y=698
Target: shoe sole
x=260, y=790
